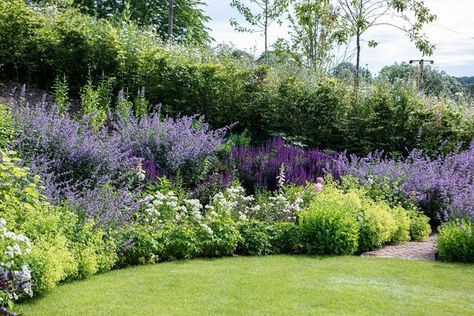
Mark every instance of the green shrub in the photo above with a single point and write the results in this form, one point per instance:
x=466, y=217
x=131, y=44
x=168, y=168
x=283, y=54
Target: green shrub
x=219, y=236
x=401, y=233
x=61, y=94
x=377, y=220
x=420, y=228
x=93, y=249
x=7, y=132
x=287, y=238
x=256, y=238
x=50, y=262
x=96, y=102
x=180, y=241
x=329, y=228
x=376, y=224
x=17, y=25
x=456, y=241
x=139, y=245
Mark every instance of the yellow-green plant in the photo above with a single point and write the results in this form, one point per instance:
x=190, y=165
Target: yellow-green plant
x=62, y=246
x=7, y=131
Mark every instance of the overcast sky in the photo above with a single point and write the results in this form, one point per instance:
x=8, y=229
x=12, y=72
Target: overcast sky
x=453, y=34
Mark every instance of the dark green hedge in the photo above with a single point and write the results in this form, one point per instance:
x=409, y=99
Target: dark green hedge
x=39, y=44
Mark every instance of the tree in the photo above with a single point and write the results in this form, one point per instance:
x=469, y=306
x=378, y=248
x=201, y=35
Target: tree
x=316, y=29
x=434, y=82
x=346, y=71
x=281, y=54
x=170, y=18
x=268, y=11
x=362, y=15
x=184, y=20
x=232, y=52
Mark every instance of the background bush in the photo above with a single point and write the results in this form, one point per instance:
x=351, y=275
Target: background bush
x=42, y=44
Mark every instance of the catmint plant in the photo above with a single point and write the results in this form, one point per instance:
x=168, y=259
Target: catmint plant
x=169, y=147
x=442, y=187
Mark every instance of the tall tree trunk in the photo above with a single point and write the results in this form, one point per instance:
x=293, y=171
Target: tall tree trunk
x=266, y=27
x=358, y=35
x=357, y=74
x=170, y=18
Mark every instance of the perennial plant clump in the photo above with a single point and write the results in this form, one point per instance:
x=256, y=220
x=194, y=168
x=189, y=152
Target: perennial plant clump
x=76, y=163
x=442, y=187
x=456, y=241
x=260, y=166
x=169, y=146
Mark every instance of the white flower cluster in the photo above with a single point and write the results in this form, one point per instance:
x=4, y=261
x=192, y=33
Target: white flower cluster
x=141, y=174
x=159, y=204
x=283, y=209
x=16, y=248
x=233, y=201
x=208, y=229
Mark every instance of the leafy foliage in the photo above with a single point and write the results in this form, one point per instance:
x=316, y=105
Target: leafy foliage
x=329, y=228
x=189, y=23
x=456, y=241
x=316, y=29
x=7, y=131
x=260, y=21
x=256, y=240
x=434, y=82
x=187, y=81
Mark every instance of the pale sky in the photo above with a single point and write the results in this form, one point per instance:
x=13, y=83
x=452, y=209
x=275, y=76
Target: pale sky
x=452, y=33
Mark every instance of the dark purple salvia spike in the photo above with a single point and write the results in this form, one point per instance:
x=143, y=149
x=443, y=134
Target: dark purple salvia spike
x=259, y=166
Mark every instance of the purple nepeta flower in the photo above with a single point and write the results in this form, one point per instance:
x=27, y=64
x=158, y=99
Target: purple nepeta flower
x=443, y=187
x=169, y=146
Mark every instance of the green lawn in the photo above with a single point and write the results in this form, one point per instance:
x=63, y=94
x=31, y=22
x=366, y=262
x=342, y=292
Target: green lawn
x=270, y=286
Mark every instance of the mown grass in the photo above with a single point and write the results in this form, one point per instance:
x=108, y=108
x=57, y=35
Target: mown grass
x=274, y=285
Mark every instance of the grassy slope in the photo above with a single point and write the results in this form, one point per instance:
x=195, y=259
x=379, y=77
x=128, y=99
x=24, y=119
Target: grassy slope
x=270, y=285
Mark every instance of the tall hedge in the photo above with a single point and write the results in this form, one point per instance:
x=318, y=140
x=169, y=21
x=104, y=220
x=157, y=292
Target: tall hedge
x=39, y=44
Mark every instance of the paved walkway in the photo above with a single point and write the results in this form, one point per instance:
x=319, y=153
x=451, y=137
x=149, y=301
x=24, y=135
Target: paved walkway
x=413, y=250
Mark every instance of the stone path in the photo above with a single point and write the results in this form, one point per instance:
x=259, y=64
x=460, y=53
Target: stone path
x=413, y=250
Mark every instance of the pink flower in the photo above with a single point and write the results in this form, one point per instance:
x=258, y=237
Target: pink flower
x=320, y=180
x=318, y=187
